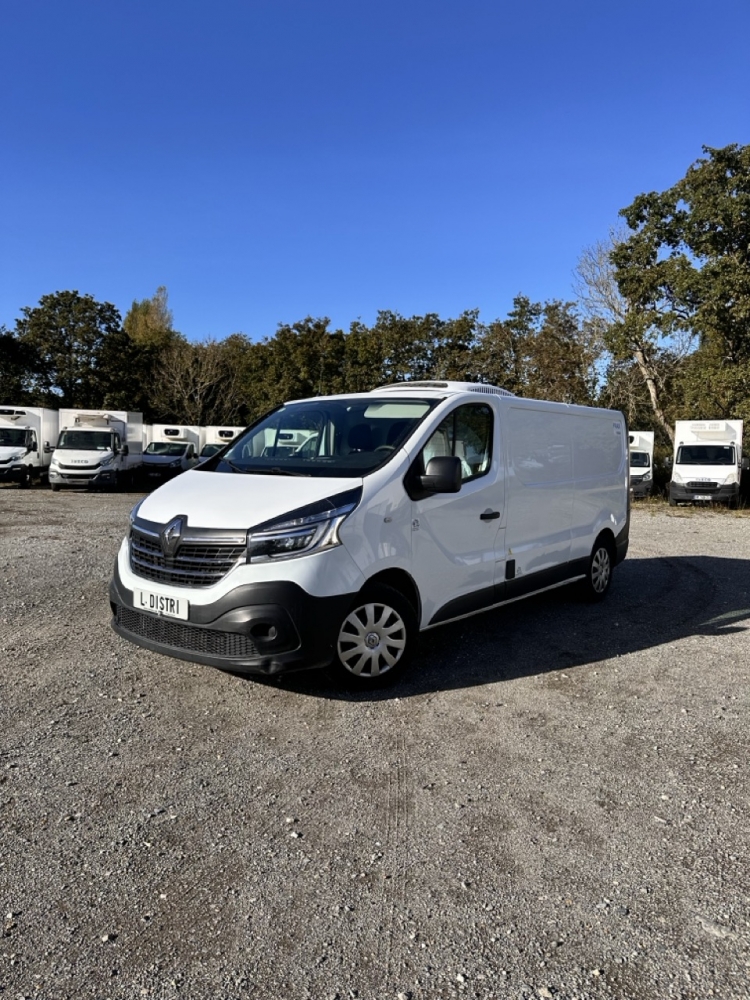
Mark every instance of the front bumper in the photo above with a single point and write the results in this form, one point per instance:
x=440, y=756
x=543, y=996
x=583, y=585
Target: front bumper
x=100, y=477
x=12, y=473
x=640, y=488
x=689, y=494
x=259, y=628
x=156, y=475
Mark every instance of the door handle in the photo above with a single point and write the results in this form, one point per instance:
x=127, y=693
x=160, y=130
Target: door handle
x=489, y=515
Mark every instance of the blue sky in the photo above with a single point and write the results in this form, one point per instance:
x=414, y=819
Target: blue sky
x=269, y=160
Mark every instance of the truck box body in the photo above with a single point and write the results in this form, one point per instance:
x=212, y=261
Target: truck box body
x=173, y=448
x=453, y=497
x=707, y=462
x=97, y=448
x=641, y=462
x=215, y=438
x=28, y=435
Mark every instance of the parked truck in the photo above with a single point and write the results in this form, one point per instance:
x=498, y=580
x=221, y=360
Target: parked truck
x=707, y=462
x=641, y=463
x=97, y=448
x=174, y=448
x=27, y=437
x=215, y=438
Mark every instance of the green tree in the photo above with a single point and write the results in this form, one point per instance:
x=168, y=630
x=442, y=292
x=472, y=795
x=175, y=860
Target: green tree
x=685, y=270
x=149, y=322
x=82, y=353
x=18, y=363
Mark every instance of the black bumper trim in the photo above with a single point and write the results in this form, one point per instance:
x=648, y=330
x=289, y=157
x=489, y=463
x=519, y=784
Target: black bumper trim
x=685, y=494
x=290, y=629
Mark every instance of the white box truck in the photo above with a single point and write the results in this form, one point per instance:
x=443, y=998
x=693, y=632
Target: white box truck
x=97, y=448
x=27, y=438
x=707, y=462
x=641, y=462
x=216, y=438
x=396, y=511
x=174, y=448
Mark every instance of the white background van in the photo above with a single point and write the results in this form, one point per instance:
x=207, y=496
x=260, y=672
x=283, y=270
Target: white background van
x=336, y=528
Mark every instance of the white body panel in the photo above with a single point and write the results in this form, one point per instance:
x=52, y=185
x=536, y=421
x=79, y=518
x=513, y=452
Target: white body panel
x=716, y=434
x=220, y=435
x=36, y=425
x=558, y=477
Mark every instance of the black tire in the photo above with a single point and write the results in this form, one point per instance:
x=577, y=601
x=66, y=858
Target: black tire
x=26, y=480
x=54, y=487
x=672, y=503
x=376, y=638
x=733, y=503
x=600, y=569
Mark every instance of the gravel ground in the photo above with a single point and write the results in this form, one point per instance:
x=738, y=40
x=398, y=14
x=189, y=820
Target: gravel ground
x=554, y=803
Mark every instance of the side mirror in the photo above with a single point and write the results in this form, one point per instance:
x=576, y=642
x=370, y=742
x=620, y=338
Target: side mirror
x=125, y=450
x=34, y=446
x=47, y=448
x=442, y=475
x=745, y=464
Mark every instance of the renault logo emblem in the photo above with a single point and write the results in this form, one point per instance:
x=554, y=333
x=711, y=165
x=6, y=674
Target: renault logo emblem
x=171, y=535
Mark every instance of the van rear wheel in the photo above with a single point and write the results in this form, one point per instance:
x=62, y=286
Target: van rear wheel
x=376, y=638
x=599, y=575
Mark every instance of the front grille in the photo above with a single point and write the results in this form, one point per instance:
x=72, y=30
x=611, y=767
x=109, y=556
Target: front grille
x=705, y=487
x=178, y=635
x=77, y=468
x=636, y=479
x=196, y=564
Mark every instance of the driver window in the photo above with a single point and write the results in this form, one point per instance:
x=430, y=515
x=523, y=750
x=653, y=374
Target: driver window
x=467, y=434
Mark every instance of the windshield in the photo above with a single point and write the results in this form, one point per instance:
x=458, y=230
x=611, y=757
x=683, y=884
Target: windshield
x=210, y=449
x=165, y=448
x=705, y=454
x=639, y=460
x=325, y=437
x=85, y=440
x=13, y=437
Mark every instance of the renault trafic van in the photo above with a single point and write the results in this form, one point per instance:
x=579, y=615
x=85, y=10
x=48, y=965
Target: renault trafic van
x=334, y=529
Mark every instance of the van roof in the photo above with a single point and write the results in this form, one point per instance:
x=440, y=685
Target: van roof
x=443, y=387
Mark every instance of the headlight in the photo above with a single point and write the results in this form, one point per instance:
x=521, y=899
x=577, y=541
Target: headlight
x=677, y=478
x=297, y=536
x=175, y=465
x=646, y=476
x=107, y=460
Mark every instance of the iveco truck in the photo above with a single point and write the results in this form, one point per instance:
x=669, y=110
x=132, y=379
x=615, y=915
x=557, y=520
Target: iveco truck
x=216, y=438
x=27, y=437
x=336, y=528
x=173, y=448
x=641, y=462
x=707, y=462
x=97, y=449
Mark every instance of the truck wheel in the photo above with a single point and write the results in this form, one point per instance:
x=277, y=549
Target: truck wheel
x=599, y=574
x=672, y=503
x=54, y=487
x=26, y=479
x=376, y=638
x=733, y=503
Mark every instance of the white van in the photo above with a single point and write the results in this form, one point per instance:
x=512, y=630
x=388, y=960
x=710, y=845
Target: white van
x=172, y=449
x=336, y=528
x=641, y=462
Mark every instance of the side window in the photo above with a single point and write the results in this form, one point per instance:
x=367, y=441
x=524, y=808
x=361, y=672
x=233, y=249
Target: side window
x=465, y=433
x=117, y=442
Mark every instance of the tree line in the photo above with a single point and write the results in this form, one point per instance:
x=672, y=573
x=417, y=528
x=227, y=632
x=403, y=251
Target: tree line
x=659, y=327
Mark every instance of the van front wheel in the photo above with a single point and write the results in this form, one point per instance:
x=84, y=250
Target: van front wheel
x=376, y=638
x=599, y=576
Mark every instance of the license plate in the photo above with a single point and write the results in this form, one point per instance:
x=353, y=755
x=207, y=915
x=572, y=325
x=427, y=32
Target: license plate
x=154, y=475
x=700, y=496
x=158, y=604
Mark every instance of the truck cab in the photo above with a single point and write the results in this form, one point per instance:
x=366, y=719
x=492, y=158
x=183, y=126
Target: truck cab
x=641, y=463
x=26, y=436
x=707, y=462
x=96, y=449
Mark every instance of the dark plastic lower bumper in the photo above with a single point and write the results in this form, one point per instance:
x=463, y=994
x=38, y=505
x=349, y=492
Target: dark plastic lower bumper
x=641, y=490
x=263, y=628
x=12, y=473
x=685, y=494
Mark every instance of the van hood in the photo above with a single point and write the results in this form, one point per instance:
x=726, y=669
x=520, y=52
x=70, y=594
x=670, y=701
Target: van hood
x=10, y=452
x=236, y=500
x=162, y=459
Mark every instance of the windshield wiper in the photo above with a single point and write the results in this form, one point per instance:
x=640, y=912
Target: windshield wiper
x=275, y=471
